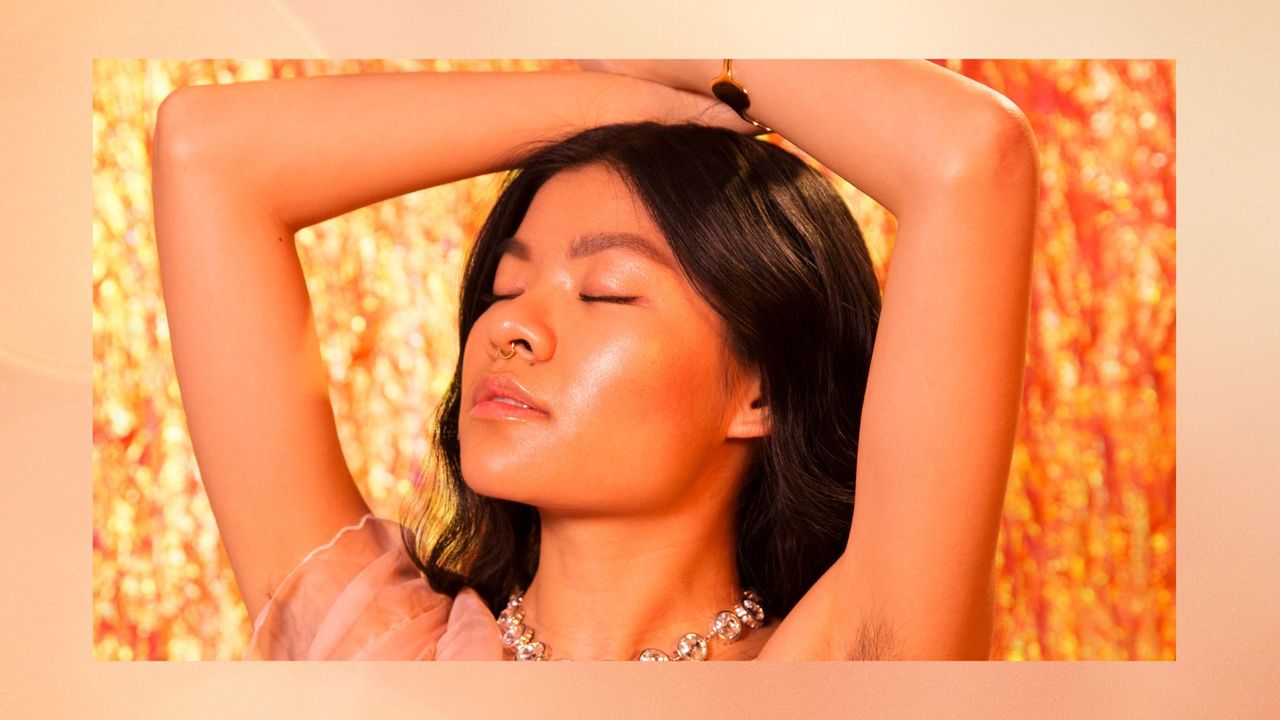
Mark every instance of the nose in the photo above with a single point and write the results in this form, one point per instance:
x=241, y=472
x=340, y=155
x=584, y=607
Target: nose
x=519, y=325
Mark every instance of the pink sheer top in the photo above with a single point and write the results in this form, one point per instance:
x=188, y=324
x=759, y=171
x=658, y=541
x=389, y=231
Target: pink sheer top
x=360, y=597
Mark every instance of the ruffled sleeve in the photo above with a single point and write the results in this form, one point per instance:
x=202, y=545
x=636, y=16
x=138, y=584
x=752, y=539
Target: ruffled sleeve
x=360, y=597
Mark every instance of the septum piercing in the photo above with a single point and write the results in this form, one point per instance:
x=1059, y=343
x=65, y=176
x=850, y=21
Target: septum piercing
x=508, y=355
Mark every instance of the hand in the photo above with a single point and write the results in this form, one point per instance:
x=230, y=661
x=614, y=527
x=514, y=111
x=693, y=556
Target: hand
x=691, y=75
x=675, y=97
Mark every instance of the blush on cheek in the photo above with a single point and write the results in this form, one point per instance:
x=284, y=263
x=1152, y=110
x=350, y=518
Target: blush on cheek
x=682, y=382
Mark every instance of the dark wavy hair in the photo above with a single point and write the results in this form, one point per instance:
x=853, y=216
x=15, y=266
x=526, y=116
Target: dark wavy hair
x=772, y=248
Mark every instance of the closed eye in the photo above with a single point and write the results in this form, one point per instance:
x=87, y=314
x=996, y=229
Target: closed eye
x=490, y=298
x=617, y=299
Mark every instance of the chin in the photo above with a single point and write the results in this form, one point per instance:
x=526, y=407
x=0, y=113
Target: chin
x=504, y=482
x=482, y=477
x=497, y=475
x=502, y=461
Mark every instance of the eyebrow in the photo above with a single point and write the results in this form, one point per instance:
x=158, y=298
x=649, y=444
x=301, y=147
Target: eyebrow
x=593, y=243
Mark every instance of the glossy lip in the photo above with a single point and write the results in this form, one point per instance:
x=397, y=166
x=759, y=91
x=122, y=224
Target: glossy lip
x=486, y=401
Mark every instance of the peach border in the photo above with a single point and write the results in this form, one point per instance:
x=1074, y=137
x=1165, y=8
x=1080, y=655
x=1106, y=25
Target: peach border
x=1228, y=609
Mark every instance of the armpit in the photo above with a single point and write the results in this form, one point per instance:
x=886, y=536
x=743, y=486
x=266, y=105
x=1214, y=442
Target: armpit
x=875, y=640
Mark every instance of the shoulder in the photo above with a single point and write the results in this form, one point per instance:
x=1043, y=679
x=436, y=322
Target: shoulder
x=359, y=596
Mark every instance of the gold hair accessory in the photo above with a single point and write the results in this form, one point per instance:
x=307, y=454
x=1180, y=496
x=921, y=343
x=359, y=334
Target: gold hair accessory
x=729, y=91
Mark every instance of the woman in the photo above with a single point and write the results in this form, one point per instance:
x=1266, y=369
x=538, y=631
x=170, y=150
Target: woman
x=627, y=434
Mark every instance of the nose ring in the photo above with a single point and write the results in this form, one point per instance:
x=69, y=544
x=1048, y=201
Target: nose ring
x=505, y=355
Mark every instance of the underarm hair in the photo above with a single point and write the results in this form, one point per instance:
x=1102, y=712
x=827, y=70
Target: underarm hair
x=875, y=641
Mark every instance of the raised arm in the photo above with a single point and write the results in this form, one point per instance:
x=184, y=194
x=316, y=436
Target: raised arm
x=955, y=163
x=237, y=170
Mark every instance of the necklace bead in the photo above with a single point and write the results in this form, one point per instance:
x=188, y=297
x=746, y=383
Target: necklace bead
x=727, y=626
x=692, y=647
x=653, y=655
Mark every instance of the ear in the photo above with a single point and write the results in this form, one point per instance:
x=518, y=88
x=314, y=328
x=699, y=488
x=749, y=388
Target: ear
x=750, y=414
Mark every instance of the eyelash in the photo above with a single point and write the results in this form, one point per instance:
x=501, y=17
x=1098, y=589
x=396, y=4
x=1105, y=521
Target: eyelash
x=489, y=298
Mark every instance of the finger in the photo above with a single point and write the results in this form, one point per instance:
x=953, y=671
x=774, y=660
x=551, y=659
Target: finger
x=709, y=111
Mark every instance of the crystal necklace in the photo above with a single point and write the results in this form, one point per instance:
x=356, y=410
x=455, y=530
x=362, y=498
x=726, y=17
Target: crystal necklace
x=728, y=626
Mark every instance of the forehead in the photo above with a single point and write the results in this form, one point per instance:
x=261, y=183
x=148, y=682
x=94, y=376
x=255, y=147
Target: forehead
x=585, y=211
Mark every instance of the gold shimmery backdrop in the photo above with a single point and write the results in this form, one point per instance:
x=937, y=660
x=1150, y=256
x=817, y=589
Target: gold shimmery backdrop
x=1086, y=552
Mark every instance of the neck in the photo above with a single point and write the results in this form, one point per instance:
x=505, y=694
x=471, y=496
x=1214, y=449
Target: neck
x=608, y=587
x=606, y=593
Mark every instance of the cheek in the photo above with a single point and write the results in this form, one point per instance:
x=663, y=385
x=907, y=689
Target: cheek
x=645, y=400
x=645, y=374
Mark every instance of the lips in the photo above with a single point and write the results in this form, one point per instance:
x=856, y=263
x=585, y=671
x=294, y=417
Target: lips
x=502, y=396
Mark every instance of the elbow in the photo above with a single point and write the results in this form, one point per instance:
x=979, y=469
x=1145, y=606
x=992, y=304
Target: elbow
x=1011, y=143
x=185, y=162
x=995, y=154
x=999, y=153
x=174, y=141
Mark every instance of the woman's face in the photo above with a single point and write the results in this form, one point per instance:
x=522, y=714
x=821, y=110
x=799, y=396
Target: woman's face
x=616, y=396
